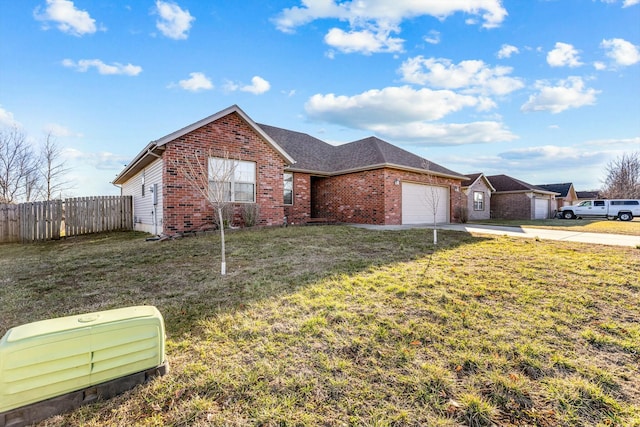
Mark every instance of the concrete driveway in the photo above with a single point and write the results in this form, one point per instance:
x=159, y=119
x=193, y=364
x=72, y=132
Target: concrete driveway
x=531, y=233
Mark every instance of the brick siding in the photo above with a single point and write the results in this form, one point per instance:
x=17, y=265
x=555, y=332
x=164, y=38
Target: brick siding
x=186, y=209
x=511, y=206
x=371, y=197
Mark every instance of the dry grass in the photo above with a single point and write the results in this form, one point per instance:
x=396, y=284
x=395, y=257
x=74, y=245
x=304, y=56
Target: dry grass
x=631, y=228
x=342, y=326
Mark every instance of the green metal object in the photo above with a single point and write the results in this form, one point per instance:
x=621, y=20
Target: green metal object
x=53, y=357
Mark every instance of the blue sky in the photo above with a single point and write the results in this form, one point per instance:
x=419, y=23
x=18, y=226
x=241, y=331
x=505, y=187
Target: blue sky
x=546, y=91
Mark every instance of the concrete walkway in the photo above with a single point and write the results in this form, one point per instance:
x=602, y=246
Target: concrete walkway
x=531, y=233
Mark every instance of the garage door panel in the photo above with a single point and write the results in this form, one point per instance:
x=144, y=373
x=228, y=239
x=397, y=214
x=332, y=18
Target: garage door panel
x=418, y=201
x=541, y=208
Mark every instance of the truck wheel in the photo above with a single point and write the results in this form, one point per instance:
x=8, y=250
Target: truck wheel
x=625, y=216
x=568, y=215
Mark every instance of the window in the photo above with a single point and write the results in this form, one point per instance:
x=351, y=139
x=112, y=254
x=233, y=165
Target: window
x=288, y=188
x=587, y=203
x=478, y=201
x=598, y=203
x=143, y=183
x=233, y=180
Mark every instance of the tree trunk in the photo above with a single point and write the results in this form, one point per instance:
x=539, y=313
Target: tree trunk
x=223, y=264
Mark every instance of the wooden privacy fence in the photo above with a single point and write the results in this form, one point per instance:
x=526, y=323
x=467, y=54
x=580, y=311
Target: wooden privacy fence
x=36, y=221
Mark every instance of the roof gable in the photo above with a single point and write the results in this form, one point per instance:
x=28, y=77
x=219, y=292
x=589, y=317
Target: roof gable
x=504, y=183
x=563, y=188
x=153, y=150
x=220, y=114
x=474, y=177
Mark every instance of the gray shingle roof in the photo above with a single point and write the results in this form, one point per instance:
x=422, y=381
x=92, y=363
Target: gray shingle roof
x=563, y=188
x=314, y=155
x=507, y=183
x=588, y=194
x=472, y=178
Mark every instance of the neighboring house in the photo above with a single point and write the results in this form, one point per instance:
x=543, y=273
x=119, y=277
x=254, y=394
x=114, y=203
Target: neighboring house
x=286, y=174
x=478, y=190
x=588, y=195
x=567, y=194
x=515, y=199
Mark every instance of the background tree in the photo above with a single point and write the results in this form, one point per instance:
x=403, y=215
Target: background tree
x=19, y=180
x=623, y=177
x=211, y=176
x=53, y=170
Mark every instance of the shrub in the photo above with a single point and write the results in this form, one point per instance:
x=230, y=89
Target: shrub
x=250, y=214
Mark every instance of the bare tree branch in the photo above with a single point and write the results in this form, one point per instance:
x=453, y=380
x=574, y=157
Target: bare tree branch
x=19, y=179
x=623, y=177
x=211, y=176
x=432, y=198
x=53, y=170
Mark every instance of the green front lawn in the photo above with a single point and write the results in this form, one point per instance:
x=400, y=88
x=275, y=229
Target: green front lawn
x=334, y=325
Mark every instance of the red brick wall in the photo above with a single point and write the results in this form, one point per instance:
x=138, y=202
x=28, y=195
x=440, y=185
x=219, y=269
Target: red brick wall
x=185, y=208
x=355, y=197
x=371, y=197
x=300, y=210
x=511, y=206
x=394, y=194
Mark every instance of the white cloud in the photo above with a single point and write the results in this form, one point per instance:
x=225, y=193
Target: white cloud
x=60, y=131
x=402, y=104
x=69, y=19
x=196, y=82
x=102, y=160
x=258, y=86
x=620, y=142
x=371, y=23
x=599, y=65
x=623, y=53
x=625, y=3
x=83, y=65
x=405, y=113
x=569, y=93
x=384, y=11
x=365, y=41
x=472, y=76
x=507, y=50
x=7, y=119
x=446, y=134
x=564, y=55
x=433, y=37
x=174, y=22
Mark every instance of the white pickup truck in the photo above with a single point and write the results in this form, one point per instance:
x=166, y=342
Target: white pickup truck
x=624, y=209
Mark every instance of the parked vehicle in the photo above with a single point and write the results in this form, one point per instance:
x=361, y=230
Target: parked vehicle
x=624, y=209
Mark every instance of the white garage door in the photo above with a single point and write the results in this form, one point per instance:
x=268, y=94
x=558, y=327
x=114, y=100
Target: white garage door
x=418, y=201
x=541, y=208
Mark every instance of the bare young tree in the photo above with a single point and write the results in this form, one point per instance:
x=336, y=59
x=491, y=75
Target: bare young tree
x=19, y=179
x=432, y=199
x=623, y=177
x=211, y=176
x=53, y=170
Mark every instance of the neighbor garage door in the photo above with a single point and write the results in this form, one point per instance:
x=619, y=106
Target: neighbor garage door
x=418, y=201
x=541, y=208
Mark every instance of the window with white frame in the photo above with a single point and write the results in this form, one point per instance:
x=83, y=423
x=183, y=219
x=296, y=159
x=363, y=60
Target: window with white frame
x=478, y=201
x=232, y=180
x=288, y=188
